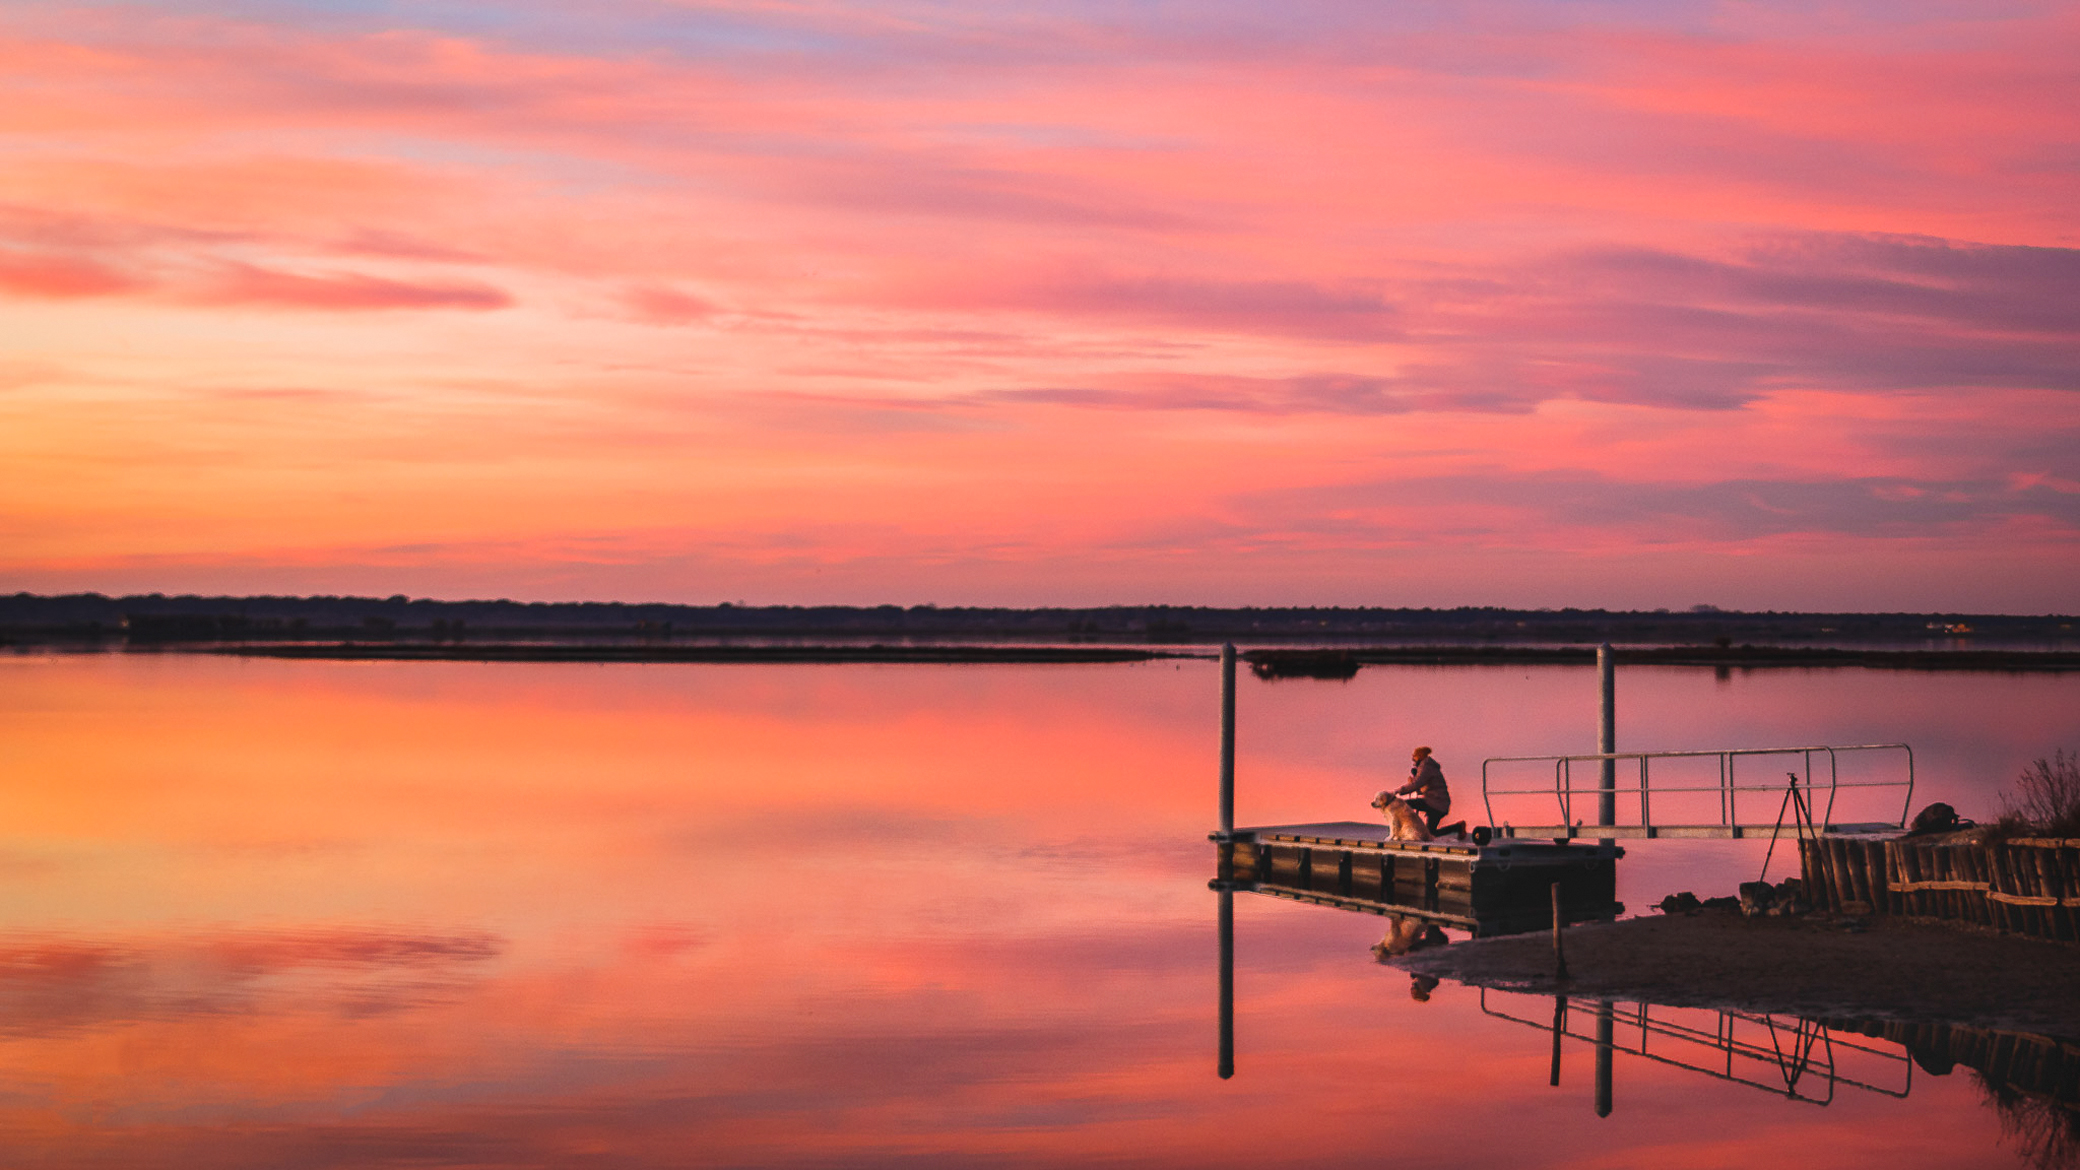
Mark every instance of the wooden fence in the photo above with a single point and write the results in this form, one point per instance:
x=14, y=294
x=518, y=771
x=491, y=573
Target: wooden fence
x=2024, y=885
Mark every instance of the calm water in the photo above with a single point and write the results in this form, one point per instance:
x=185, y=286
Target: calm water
x=295, y=914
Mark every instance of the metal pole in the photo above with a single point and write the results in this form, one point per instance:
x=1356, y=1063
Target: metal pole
x=1607, y=733
x=1603, y=1058
x=1559, y=953
x=1228, y=738
x=1227, y=1068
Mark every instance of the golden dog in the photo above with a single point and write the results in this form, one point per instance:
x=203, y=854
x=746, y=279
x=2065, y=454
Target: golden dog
x=1402, y=821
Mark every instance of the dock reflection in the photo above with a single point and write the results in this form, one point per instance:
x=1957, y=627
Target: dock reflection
x=2032, y=1080
x=1795, y=1058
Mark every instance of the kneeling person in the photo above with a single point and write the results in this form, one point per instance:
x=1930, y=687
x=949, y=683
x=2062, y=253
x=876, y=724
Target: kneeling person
x=1426, y=790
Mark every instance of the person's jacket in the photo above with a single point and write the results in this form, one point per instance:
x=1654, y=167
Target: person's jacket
x=1426, y=781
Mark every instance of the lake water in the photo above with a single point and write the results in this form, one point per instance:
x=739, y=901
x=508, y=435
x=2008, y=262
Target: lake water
x=310, y=914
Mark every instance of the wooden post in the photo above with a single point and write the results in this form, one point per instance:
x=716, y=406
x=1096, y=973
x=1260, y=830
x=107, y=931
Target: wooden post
x=2068, y=860
x=2062, y=862
x=1995, y=876
x=1844, y=880
x=2024, y=884
x=1821, y=892
x=1881, y=879
x=1559, y=952
x=1559, y=1028
x=1860, y=871
x=1831, y=877
x=1882, y=875
x=1228, y=737
x=1972, y=867
x=1910, y=865
x=2047, y=887
x=1607, y=735
x=1853, y=887
x=1843, y=889
x=1946, y=867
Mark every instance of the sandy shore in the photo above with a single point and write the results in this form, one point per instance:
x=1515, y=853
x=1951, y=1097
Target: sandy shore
x=1811, y=966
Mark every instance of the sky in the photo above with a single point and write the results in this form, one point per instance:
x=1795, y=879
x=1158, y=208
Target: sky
x=1765, y=306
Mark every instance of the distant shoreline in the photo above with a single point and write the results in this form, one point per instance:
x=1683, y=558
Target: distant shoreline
x=1408, y=633
x=805, y=654
x=1273, y=663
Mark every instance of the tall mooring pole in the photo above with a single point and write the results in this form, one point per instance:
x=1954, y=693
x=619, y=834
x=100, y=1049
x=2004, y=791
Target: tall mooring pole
x=1604, y=1013
x=1227, y=739
x=1227, y=907
x=1607, y=734
x=1227, y=923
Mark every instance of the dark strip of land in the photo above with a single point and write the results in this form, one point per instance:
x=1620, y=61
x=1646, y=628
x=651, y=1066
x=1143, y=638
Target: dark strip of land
x=556, y=652
x=1741, y=656
x=1270, y=664
x=157, y=618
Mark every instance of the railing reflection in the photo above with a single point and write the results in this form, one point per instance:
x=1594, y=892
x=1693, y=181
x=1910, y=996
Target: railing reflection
x=1795, y=1058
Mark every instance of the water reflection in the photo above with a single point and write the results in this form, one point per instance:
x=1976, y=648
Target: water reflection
x=1799, y=1059
x=2031, y=1081
x=321, y=914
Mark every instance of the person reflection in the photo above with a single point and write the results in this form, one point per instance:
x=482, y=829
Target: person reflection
x=1407, y=933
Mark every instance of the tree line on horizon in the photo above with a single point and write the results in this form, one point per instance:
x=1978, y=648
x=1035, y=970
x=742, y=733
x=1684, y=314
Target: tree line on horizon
x=157, y=616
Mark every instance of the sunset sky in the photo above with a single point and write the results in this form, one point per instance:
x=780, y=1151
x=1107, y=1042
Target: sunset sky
x=1597, y=304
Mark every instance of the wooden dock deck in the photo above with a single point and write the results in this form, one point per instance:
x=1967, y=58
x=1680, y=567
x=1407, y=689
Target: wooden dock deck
x=1502, y=887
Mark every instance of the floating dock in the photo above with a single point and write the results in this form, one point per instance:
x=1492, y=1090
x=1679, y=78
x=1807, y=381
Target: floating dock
x=1504, y=887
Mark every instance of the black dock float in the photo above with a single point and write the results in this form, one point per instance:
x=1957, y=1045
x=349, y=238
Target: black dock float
x=1503, y=887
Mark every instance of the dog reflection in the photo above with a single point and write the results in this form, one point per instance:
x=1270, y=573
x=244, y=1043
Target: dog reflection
x=1406, y=933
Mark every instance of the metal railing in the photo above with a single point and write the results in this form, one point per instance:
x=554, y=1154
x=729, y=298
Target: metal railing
x=1728, y=789
x=1747, y=1047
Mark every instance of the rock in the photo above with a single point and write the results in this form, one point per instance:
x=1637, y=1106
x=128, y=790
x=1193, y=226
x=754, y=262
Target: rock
x=1795, y=907
x=1683, y=903
x=1757, y=898
x=1791, y=889
x=1721, y=904
x=1936, y=818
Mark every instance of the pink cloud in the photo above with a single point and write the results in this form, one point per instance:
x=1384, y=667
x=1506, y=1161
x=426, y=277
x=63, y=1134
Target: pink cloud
x=61, y=277
x=251, y=285
x=664, y=306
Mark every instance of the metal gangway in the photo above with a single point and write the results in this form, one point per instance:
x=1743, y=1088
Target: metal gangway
x=1798, y=799
x=1798, y=1059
